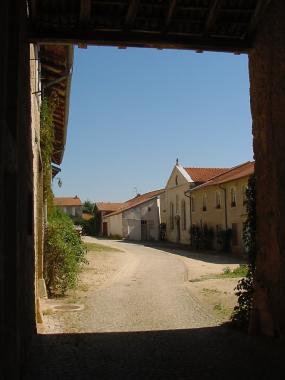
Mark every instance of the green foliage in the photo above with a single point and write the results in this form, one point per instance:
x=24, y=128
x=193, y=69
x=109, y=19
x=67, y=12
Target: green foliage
x=95, y=247
x=90, y=227
x=244, y=288
x=202, y=238
x=224, y=239
x=240, y=271
x=88, y=207
x=46, y=142
x=64, y=254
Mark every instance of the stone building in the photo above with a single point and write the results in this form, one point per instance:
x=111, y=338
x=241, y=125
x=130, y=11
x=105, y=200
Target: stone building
x=220, y=205
x=261, y=35
x=72, y=206
x=175, y=205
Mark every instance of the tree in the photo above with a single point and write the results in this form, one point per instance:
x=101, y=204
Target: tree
x=88, y=207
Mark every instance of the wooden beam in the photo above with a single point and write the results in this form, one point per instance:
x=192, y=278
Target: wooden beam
x=134, y=39
x=257, y=14
x=85, y=13
x=33, y=10
x=170, y=11
x=131, y=13
x=212, y=16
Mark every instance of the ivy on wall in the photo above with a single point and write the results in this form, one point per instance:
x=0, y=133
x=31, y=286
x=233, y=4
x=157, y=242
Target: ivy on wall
x=47, y=141
x=244, y=288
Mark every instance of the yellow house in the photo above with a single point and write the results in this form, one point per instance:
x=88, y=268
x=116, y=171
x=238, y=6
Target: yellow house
x=175, y=205
x=219, y=205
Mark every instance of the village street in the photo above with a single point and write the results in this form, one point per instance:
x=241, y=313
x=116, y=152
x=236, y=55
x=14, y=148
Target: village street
x=143, y=288
x=149, y=313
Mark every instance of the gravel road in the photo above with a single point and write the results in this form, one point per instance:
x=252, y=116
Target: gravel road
x=143, y=321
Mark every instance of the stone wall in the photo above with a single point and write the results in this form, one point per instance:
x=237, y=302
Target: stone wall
x=224, y=217
x=267, y=90
x=17, y=256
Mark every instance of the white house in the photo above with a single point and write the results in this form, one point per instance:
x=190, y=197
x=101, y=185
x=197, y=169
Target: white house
x=138, y=218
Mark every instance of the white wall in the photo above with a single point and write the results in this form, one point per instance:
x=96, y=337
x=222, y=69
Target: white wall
x=115, y=226
x=148, y=211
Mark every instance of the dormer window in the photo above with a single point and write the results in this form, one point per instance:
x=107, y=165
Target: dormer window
x=233, y=197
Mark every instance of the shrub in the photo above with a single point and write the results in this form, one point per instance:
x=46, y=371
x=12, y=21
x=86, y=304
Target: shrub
x=224, y=239
x=90, y=227
x=244, y=288
x=64, y=254
x=202, y=237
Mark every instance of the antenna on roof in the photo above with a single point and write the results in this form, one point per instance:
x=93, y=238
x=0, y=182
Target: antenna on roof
x=137, y=194
x=177, y=161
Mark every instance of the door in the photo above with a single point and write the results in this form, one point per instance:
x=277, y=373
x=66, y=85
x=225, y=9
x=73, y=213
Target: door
x=144, y=230
x=105, y=229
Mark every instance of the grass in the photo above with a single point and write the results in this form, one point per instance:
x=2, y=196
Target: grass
x=94, y=247
x=207, y=291
x=238, y=272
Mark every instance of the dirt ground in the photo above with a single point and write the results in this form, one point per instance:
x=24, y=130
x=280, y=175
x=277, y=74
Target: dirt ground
x=216, y=296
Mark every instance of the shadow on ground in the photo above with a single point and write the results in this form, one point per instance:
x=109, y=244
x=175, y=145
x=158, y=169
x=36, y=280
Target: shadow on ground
x=187, y=251
x=196, y=354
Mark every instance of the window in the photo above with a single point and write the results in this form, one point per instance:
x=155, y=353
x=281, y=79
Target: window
x=176, y=180
x=171, y=216
x=183, y=212
x=205, y=202
x=234, y=234
x=218, y=199
x=244, y=197
x=233, y=197
x=192, y=204
x=177, y=204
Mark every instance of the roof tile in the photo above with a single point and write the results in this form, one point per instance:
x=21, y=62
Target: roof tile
x=232, y=174
x=67, y=201
x=204, y=174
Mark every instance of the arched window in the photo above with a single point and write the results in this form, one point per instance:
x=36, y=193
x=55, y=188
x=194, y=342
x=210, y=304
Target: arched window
x=218, y=199
x=183, y=214
x=177, y=204
x=233, y=197
x=205, y=202
x=171, y=216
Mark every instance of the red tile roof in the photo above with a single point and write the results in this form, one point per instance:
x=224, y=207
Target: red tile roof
x=67, y=201
x=237, y=172
x=108, y=206
x=139, y=199
x=204, y=174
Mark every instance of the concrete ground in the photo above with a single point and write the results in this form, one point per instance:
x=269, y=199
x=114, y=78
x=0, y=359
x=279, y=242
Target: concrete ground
x=146, y=313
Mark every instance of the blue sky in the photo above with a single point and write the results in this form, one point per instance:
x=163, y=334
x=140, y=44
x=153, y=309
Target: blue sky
x=134, y=111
